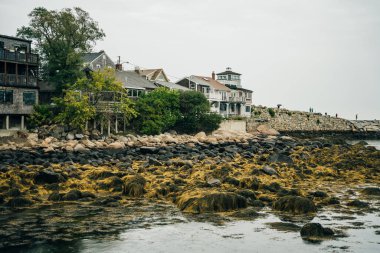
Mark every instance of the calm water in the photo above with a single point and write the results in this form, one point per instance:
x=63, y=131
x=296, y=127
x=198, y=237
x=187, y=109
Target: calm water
x=174, y=232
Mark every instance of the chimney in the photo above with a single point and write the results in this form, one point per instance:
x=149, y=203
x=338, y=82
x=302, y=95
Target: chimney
x=137, y=70
x=119, y=66
x=213, y=75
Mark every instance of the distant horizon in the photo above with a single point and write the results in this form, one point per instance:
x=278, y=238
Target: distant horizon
x=320, y=54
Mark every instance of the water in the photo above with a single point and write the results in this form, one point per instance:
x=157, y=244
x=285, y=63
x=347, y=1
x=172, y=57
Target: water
x=373, y=143
x=160, y=230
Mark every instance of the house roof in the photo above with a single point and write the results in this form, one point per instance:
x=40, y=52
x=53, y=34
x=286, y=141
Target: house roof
x=214, y=83
x=90, y=57
x=228, y=71
x=152, y=74
x=171, y=85
x=131, y=79
x=14, y=38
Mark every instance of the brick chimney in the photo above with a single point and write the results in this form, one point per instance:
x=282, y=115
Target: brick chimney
x=119, y=66
x=213, y=75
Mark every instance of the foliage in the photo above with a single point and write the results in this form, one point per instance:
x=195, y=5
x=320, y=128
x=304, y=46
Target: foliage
x=42, y=115
x=100, y=95
x=210, y=122
x=61, y=37
x=195, y=116
x=271, y=112
x=158, y=111
x=76, y=109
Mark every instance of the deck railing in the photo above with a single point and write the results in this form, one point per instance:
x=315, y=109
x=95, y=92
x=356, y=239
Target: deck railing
x=18, y=57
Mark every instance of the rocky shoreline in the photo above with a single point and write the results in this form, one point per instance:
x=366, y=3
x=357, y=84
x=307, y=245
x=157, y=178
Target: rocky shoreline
x=236, y=174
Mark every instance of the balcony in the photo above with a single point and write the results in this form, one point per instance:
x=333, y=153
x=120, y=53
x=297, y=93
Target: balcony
x=237, y=99
x=17, y=80
x=18, y=57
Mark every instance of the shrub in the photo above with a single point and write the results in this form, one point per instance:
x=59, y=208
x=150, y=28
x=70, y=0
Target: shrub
x=318, y=122
x=42, y=115
x=195, y=114
x=271, y=112
x=158, y=111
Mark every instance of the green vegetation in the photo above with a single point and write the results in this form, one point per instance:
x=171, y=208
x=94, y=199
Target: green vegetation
x=61, y=37
x=42, y=115
x=195, y=114
x=158, y=111
x=99, y=96
x=271, y=112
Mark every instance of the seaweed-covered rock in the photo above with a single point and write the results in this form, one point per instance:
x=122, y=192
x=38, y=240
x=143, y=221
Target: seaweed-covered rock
x=374, y=191
x=247, y=194
x=358, y=203
x=113, y=183
x=134, y=186
x=55, y=196
x=269, y=170
x=294, y=204
x=210, y=201
x=72, y=195
x=19, y=202
x=48, y=177
x=315, y=230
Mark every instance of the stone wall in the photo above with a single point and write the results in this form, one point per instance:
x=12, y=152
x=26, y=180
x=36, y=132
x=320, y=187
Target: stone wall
x=233, y=125
x=285, y=120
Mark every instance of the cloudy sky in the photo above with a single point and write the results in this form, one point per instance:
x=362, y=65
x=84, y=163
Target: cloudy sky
x=323, y=54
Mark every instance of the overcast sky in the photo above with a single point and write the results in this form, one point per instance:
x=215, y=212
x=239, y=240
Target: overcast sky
x=323, y=54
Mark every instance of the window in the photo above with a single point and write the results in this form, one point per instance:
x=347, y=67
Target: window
x=6, y=96
x=247, y=109
x=29, y=97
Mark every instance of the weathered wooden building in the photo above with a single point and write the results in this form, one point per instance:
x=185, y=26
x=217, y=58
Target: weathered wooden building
x=18, y=81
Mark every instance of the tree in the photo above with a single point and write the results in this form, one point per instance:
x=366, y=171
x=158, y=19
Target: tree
x=100, y=96
x=158, y=111
x=195, y=114
x=61, y=37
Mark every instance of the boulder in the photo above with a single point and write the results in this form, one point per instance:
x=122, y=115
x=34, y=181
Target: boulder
x=80, y=148
x=210, y=201
x=295, y=205
x=213, y=182
x=70, y=136
x=148, y=150
x=269, y=170
x=134, y=186
x=357, y=203
x=79, y=136
x=200, y=135
x=280, y=158
x=19, y=202
x=55, y=196
x=48, y=177
x=372, y=191
x=72, y=195
x=315, y=231
x=116, y=145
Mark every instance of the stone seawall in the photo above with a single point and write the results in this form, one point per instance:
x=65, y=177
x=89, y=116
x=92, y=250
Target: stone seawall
x=284, y=120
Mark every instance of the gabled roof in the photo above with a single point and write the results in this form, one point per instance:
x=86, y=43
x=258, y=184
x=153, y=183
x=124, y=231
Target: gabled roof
x=171, y=85
x=14, y=38
x=214, y=83
x=131, y=79
x=90, y=57
x=152, y=74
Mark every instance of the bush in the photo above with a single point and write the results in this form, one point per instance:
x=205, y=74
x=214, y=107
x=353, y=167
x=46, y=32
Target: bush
x=210, y=122
x=195, y=114
x=158, y=111
x=271, y=112
x=42, y=115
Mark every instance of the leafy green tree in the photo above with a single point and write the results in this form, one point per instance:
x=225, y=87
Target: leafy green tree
x=100, y=96
x=61, y=37
x=158, y=111
x=195, y=114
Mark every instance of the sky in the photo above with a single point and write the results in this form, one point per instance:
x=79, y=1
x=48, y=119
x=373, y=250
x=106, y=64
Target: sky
x=323, y=54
